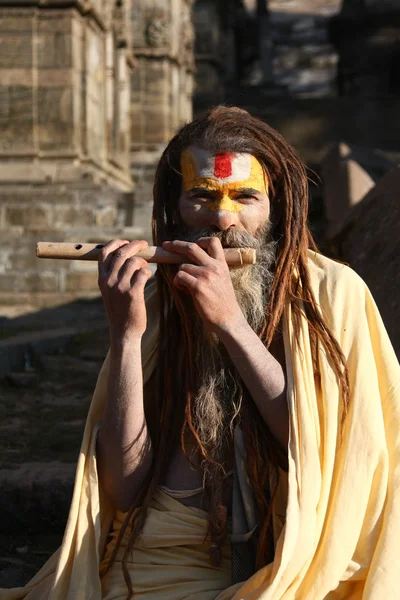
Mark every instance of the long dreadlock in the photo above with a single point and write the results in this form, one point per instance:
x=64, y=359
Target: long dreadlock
x=225, y=129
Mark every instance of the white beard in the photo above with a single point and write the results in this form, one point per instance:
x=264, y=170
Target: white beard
x=219, y=397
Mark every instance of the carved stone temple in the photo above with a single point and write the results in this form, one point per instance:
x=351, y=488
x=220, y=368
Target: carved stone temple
x=90, y=92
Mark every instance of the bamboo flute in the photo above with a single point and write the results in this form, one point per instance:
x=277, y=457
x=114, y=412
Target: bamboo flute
x=154, y=254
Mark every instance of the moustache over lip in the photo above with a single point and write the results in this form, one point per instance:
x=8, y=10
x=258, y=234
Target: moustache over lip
x=230, y=239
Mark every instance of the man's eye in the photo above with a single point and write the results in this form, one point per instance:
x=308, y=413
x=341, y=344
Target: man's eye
x=203, y=197
x=244, y=197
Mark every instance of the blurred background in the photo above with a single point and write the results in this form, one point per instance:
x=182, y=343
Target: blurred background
x=90, y=93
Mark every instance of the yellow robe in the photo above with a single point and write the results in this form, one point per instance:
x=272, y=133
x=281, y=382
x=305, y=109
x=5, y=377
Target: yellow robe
x=341, y=540
x=170, y=558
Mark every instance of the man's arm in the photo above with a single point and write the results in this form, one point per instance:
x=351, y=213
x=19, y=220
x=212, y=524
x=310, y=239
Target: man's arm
x=263, y=376
x=124, y=450
x=210, y=285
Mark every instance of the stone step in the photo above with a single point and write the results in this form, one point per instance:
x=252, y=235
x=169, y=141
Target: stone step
x=34, y=505
x=22, y=554
x=19, y=352
x=35, y=497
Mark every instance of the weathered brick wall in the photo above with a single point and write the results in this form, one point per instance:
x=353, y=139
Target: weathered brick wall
x=64, y=145
x=82, y=124
x=57, y=213
x=161, y=86
x=63, y=98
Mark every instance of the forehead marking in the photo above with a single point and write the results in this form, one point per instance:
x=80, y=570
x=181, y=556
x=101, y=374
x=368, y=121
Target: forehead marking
x=223, y=165
x=224, y=172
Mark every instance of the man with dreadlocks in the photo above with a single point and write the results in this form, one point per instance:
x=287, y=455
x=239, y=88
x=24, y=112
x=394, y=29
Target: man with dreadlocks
x=221, y=377
x=243, y=440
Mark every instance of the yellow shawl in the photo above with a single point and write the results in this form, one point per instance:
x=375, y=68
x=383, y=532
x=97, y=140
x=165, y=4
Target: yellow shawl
x=169, y=554
x=341, y=540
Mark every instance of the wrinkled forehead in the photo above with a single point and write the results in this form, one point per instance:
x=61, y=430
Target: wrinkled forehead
x=224, y=168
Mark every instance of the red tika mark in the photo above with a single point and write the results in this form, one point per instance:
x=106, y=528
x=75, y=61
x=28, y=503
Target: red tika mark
x=223, y=166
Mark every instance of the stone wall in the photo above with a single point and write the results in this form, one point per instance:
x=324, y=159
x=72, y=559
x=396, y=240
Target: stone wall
x=89, y=97
x=75, y=213
x=161, y=88
x=161, y=82
x=64, y=143
x=59, y=72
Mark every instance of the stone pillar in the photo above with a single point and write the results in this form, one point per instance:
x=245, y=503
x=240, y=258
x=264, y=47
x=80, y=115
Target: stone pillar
x=53, y=95
x=161, y=88
x=64, y=141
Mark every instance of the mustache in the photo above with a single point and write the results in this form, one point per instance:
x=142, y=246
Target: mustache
x=230, y=238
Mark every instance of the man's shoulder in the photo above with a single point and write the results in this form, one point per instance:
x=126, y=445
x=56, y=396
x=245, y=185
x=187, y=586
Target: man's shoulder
x=339, y=292
x=330, y=276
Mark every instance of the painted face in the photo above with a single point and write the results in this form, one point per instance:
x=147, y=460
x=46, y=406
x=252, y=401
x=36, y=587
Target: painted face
x=223, y=190
x=224, y=174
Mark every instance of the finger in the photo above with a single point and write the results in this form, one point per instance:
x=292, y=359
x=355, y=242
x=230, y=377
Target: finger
x=139, y=279
x=189, y=249
x=185, y=280
x=121, y=255
x=106, y=257
x=213, y=246
x=129, y=268
x=193, y=270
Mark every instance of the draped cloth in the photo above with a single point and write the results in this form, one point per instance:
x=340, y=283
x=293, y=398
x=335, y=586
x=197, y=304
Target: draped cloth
x=170, y=558
x=341, y=539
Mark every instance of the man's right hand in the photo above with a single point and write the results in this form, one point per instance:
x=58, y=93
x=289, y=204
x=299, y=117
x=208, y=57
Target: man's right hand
x=122, y=278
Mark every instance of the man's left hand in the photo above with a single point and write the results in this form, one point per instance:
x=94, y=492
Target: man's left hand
x=208, y=281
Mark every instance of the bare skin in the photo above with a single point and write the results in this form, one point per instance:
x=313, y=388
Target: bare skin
x=124, y=449
x=208, y=281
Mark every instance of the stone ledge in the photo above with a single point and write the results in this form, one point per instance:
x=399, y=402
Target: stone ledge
x=16, y=351
x=84, y=8
x=12, y=304
x=35, y=497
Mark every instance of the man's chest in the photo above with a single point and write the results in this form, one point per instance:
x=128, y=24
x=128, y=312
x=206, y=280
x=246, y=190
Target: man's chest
x=183, y=480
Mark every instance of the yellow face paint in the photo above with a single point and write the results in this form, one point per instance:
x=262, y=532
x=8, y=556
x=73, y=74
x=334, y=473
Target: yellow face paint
x=224, y=173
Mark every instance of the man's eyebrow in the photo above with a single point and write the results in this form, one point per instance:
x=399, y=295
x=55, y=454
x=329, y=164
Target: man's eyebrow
x=249, y=191
x=207, y=190
x=200, y=189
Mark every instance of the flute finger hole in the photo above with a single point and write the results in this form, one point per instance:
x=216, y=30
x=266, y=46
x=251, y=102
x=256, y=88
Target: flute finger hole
x=78, y=246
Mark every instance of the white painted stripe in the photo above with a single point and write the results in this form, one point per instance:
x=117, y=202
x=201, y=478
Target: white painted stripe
x=204, y=160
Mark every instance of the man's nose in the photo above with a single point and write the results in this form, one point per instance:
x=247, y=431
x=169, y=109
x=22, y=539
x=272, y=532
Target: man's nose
x=225, y=213
x=224, y=219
